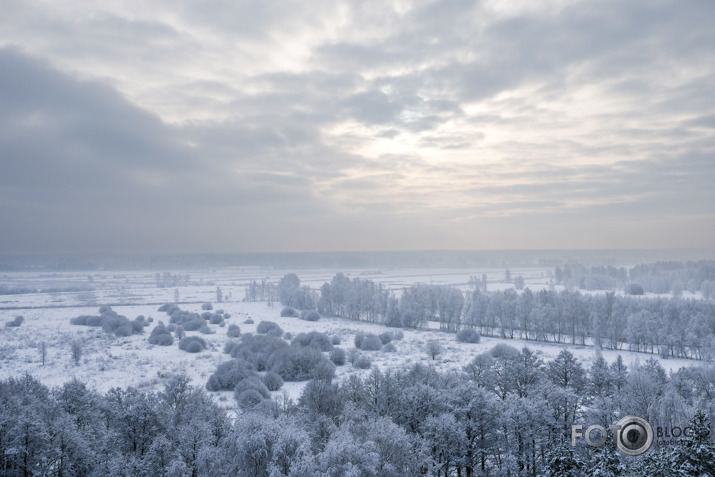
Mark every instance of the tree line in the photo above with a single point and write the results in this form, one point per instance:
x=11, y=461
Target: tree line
x=670, y=327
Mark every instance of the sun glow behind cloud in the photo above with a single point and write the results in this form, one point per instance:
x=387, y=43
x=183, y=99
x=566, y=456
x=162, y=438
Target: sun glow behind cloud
x=424, y=122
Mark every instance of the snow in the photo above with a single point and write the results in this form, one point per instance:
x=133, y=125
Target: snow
x=120, y=362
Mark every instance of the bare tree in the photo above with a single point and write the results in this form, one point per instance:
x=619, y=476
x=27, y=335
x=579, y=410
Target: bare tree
x=76, y=349
x=42, y=349
x=433, y=348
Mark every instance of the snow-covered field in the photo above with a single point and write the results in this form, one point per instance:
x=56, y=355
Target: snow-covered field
x=119, y=362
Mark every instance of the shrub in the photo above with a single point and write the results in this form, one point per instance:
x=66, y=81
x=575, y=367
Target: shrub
x=359, y=336
x=256, y=349
x=216, y=319
x=161, y=336
x=273, y=381
x=433, y=348
x=86, y=320
x=254, y=383
x=180, y=333
x=299, y=364
x=389, y=348
x=397, y=335
x=248, y=399
x=635, y=289
x=206, y=330
x=111, y=322
x=325, y=370
x=335, y=340
x=16, y=322
x=353, y=355
x=164, y=340
x=288, y=336
x=337, y=356
x=385, y=337
x=194, y=325
x=310, y=315
x=192, y=344
x=468, y=335
x=207, y=306
x=363, y=362
x=233, y=331
x=171, y=328
x=269, y=328
x=370, y=342
x=290, y=312
x=228, y=374
x=249, y=321
x=313, y=339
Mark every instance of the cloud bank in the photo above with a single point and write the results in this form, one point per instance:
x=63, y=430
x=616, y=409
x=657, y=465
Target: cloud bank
x=268, y=126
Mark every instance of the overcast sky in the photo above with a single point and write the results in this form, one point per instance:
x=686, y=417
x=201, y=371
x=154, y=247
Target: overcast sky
x=232, y=126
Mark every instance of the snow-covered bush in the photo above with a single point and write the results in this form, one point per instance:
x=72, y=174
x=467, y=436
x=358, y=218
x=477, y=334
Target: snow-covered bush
x=299, y=364
x=216, y=319
x=249, y=321
x=335, y=340
x=337, y=356
x=206, y=330
x=273, y=381
x=207, y=306
x=111, y=322
x=192, y=344
x=269, y=328
x=290, y=312
x=252, y=382
x=635, y=289
x=368, y=342
x=310, y=315
x=228, y=374
x=161, y=336
x=233, y=331
x=385, y=337
x=468, y=335
x=363, y=362
x=314, y=339
x=15, y=323
x=194, y=324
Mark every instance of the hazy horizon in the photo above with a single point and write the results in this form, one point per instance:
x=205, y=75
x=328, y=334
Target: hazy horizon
x=272, y=128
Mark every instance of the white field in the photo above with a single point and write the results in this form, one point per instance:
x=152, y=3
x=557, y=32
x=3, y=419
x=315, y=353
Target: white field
x=119, y=362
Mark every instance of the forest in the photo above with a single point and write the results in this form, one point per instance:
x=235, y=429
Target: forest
x=507, y=413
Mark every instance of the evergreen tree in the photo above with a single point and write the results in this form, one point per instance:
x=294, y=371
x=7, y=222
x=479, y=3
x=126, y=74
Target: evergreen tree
x=697, y=455
x=606, y=460
x=561, y=462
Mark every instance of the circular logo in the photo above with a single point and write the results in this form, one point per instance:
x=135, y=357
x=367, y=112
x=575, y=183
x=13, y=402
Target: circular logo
x=635, y=435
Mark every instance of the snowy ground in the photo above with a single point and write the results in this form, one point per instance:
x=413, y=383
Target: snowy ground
x=119, y=362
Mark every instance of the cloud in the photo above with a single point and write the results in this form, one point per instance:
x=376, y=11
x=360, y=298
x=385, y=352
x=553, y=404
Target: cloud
x=421, y=124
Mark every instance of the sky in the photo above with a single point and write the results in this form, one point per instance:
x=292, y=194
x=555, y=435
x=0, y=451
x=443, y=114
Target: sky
x=274, y=126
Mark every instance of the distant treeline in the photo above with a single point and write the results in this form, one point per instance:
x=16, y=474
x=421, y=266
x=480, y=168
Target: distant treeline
x=659, y=277
x=24, y=290
x=668, y=326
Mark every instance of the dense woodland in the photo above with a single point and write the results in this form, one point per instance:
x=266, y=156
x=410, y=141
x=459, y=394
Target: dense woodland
x=670, y=327
x=508, y=413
